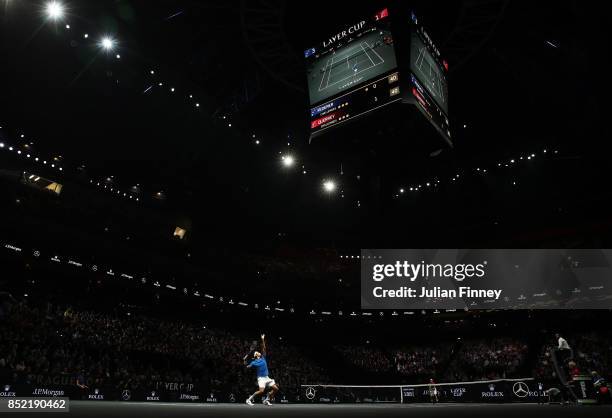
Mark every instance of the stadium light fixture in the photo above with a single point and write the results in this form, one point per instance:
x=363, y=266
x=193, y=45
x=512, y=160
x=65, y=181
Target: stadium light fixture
x=54, y=10
x=107, y=43
x=288, y=160
x=329, y=186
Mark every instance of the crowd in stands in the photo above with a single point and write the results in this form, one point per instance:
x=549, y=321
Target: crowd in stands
x=498, y=358
x=135, y=352
x=474, y=360
x=366, y=358
x=421, y=361
x=132, y=352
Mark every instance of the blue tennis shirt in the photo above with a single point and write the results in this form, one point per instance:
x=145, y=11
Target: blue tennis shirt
x=261, y=366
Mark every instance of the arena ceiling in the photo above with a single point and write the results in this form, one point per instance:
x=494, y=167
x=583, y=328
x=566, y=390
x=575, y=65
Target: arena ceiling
x=200, y=100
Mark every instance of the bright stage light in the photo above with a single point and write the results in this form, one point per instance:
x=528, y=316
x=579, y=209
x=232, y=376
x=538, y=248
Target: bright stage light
x=288, y=160
x=107, y=43
x=329, y=186
x=55, y=10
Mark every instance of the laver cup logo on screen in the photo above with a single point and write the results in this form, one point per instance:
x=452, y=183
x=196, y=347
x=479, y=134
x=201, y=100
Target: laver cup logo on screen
x=486, y=279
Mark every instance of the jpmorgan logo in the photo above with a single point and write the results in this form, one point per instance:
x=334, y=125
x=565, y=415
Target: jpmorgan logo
x=310, y=392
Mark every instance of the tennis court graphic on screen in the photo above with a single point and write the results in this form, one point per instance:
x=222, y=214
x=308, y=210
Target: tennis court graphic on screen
x=361, y=60
x=355, y=55
x=429, y=72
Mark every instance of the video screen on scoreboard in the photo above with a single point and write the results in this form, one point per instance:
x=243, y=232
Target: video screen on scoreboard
x=428, y=78
x=428, y=68
x=355, y=55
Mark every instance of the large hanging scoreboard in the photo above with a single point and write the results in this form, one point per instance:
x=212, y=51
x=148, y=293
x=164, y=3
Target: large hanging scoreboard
x=360, y=69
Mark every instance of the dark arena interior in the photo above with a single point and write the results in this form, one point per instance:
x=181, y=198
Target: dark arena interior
x=271, y=208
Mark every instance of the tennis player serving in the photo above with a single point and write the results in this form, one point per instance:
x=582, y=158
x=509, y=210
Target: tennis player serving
x=264, y=382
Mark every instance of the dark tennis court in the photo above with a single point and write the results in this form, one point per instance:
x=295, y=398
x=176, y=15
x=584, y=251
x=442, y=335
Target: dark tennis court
x=149, y=410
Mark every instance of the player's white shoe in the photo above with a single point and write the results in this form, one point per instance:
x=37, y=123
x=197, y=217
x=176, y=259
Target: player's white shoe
x=267, y=402
x=249, y=402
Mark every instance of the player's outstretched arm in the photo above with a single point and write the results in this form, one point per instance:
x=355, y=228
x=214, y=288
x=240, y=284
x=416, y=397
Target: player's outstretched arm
x=263, y=344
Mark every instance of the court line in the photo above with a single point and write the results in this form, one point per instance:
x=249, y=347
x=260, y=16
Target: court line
x=349, y=76
x=323, y=78
x=331, y=67
x=355, y=74
x=374, y=51
x=365, y=52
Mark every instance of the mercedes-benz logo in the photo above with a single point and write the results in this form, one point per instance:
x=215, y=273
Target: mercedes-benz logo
x=310, y=392
x=520, y=389
x=126, y=395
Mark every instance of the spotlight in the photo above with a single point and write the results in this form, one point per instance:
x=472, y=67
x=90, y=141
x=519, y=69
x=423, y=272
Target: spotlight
x=329, y=186
x=288, y=160
x=55, y=10
x=1, y=144
x=107, y=43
